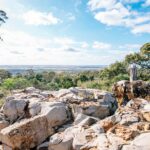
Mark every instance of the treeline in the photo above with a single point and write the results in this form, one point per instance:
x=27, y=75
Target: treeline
x=102, y=79
x=45, y=80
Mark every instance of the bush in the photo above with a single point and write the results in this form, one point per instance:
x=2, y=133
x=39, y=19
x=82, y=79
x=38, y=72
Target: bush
x=120, y=77
x=15, y=83
x=4, y=74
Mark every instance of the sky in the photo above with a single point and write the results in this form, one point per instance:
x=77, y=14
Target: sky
x=72, y=32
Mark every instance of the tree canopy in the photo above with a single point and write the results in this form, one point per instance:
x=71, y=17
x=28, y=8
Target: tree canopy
x=3, y=18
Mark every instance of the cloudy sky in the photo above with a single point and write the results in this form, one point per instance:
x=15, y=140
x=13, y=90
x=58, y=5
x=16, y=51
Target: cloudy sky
x=72, y=32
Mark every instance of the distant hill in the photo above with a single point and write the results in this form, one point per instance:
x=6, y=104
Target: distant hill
x=14, y=69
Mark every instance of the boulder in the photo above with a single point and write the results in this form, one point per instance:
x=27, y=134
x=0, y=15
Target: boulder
x=43, y=146
x=146, y=115
x=55, y=112
x=133, y=147
x=129, y=118
x=31, y=90
x=3, y=122
x=125, y=90
x=27, y=133
x=31, y=132
x=107, y=123
x=95, y=129
x=142, y=140
x=14, y=109
x=125, y=132
x=83, y=94
x=84, y=120
x=75, y=135
x=115, y=142
x=58, y=142
x=91, y=109
x=104, y=142
x=34, y=108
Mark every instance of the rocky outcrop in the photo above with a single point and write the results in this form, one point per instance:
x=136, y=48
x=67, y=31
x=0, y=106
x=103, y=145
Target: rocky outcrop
x=125, y=90
x=30, y=116
x=28, y=133
x=73, y=119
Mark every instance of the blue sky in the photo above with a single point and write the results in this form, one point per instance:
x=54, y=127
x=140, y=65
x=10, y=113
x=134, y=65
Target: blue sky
x=72, y=32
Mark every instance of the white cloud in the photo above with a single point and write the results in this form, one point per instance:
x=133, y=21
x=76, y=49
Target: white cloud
x=33, y=17
x=22, y=48
x=130, y=47
x=139, y=19
x=147, y=3
x=113, y=17
x=130, y=1
x=114, y=13
x=96, y=4
x=25, y=49
x=84, y=45
x=101, y=45
x=64, y=41
x=144, y=28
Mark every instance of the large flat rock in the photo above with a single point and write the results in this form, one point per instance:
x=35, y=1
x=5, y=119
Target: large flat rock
x=31, y=132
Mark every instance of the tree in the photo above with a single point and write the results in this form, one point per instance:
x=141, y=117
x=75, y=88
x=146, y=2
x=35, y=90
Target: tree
x=3, y=18
x=145, y=50
x=4, y=74
x=15, y=83
x=113, y=70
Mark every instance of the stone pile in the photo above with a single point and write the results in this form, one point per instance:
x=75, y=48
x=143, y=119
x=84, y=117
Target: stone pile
x=73, y=119
x=29, y=117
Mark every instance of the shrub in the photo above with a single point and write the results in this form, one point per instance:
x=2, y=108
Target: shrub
x=15, y=83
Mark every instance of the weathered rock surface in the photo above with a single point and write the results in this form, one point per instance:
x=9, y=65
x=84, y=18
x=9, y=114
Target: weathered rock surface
x=3, y=122
x=27, y=133
x=74, y=119
x=125, y=90
x=14, y=109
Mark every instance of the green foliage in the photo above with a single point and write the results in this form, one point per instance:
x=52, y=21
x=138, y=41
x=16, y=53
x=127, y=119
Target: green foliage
x=4, y=74
x=3, y=94
x=145, y=50
x=97, y=84
x=113, y=70
x=144, y=74
x=142, y=58
x=66, y=82
x=103, y=79
x=52, y=86
x=15, y=83
x=133, y=58
x=120, y=77
x=3, y=17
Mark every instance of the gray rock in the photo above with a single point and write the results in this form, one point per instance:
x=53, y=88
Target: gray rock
x=83, y=120
x=142, y=140
x=43, y=146
x=34, y=109
x=32, y=90
x=14, y=109
x=31, y=132
x=91, y=109
x=129, y=119
x=57, y=142
x=27, y=133
x=3, y=122
x=133, y=147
